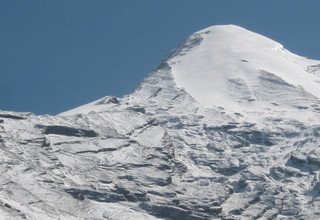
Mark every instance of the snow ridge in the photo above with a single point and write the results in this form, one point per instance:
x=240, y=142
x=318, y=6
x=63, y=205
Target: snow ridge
x=223, y=60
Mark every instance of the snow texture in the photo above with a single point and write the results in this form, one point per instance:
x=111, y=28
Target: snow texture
x=227, y=127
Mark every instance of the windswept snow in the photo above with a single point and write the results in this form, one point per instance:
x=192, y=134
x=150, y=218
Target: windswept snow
x=223, y=66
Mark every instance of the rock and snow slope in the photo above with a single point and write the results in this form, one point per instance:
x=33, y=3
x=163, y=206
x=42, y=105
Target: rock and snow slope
x=227, y=127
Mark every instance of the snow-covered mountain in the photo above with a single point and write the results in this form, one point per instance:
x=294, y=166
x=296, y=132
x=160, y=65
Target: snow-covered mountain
x=227, y=127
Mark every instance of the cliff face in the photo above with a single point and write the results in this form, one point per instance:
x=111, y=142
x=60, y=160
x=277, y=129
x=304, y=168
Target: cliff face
x=226, y=127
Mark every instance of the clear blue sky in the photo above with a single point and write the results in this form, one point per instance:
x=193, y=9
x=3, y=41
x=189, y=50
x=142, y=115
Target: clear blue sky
x=59, y=54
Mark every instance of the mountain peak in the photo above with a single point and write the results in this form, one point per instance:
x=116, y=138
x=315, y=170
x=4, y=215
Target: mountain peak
x=226, y=128
x=232, y=36
x=232, y=67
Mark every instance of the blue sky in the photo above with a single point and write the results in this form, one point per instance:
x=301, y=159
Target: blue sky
x=56, y=55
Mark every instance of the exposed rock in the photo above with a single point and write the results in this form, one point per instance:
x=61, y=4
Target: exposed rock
x=67, y=131
x=12, y=116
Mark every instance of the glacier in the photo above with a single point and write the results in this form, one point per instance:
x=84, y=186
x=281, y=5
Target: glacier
x=226, y=127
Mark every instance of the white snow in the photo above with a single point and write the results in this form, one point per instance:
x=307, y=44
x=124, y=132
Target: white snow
x=230, y=52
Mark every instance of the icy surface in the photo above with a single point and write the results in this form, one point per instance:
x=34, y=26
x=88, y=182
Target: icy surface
x=230, y=66
x=227, y=127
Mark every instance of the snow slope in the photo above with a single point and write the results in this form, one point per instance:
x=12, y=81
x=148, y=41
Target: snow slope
x=227, y=127
x=231, y=67
x=227, y=66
